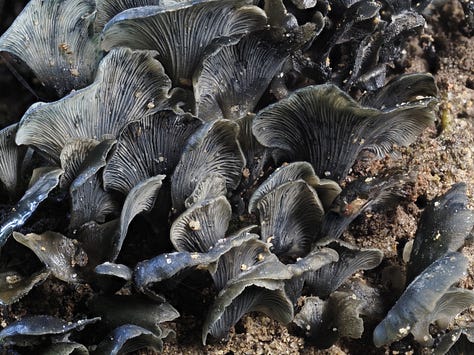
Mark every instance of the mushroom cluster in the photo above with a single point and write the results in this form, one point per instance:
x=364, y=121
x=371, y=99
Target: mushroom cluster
x=207, y=144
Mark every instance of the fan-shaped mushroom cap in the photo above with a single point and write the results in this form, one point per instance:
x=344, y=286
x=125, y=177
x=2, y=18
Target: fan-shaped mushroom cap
x=324, y=126
x=14, y=286
x=328, y=278
x=182, y=31
x=304, y=4
x=11, y=158
x=63, y=256
x=420, y=299
x=72, y=156
x=292, y=172
x=148, y=147
x=129, y=338
x=31, y=330
x=290, y=217
x=129, y=85
x=30, y=201
x=444, y=226
x=231, y=78
x=61, y=31
x=213, y=149
x=89, y=201
x=201, y=226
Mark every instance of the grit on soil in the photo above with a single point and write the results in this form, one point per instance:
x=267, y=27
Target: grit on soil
x=443, y=155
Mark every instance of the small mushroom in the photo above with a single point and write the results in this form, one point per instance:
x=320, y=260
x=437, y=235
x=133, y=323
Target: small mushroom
x=117, y=310
x=201, y=226
x=127, y=339
x=63, y=256
x=290, y=217
x=11, y=160
x=212, y=149
x=324, y=322
x=362, y=195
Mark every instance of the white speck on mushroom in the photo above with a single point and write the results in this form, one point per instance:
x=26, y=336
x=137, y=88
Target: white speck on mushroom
x=194, y=225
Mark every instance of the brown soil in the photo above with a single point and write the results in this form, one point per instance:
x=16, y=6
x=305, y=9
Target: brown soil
x=443, y=155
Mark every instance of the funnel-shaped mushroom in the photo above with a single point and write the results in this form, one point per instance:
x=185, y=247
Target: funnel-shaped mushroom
x=420, y=300
x=444, y=226
x=231, y=79
x=201, y=226
x=324, y=126
x=328, y=278
x=61, y=31
x=181, y=31
x=290, y=217
x=312, y=262
x=292, y=172
x=89, y=202
x=11, y=159
x=128, y=86
x=213, y=149
x=30, y=201
x=256, y=156
x=147, y=148
x=240, y=259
